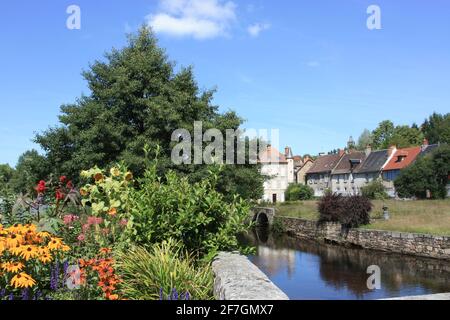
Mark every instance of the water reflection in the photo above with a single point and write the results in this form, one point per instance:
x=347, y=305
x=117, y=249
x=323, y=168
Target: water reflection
x=309, y=270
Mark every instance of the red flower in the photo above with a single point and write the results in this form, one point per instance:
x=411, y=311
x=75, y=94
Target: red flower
x=59, y=195
x=62, y=179
x=69, y=185
x=40, y=188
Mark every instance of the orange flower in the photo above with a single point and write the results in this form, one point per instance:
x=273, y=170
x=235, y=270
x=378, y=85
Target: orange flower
x=98, y=177
x=105, y=251
x=112, y=211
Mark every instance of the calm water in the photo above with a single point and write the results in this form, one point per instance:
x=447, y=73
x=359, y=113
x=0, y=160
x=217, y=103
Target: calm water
x=307, y=270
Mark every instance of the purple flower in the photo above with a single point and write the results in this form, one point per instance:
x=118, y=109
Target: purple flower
x=25, y=294
x=161, y=296
x=174, y=295
x=11, y=296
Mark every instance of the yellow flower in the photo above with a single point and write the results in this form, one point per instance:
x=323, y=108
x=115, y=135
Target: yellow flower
x=2, y=246
x=83, y=192
x=13, y=267
x=29, y=252
x=14, y=240
x=45, y=258
x=22, y=280
x=115, y=172
x=55, y=244
x=16, y=251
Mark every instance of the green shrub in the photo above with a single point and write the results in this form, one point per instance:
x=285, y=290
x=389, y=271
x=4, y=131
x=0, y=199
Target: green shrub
x=351, y=212
x=375, y=191
x=296, y=192
x=147, y=273
x=195, y=214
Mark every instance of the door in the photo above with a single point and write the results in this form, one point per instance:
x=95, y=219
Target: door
x=274, y=198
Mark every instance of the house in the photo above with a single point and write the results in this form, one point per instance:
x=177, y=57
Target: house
x=279, y=170
x=371, y=168
x=342, y=179
x=401, y=159
x=302, y=166
x=318, y=177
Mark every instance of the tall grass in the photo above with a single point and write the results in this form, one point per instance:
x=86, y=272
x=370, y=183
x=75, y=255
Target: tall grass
x=165, y=267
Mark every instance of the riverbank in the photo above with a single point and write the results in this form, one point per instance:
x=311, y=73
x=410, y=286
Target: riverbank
x=423, y=217
x=437, y=247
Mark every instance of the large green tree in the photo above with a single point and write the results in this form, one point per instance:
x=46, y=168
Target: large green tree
x=428, y=173
x=387, y=134
x=437, y=128
x=6, y=174
x=138, y=98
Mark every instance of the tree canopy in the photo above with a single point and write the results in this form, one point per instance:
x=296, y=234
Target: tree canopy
x=138, y=98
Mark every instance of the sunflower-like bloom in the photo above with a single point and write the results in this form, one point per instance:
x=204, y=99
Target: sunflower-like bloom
x=45, y=258
x=22, y=280
x=14, y=240
x=12, y=267
x=29, y=252
x=55, y=244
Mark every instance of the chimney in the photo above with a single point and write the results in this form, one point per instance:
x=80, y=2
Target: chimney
x=425, y=144
x=288, y=153
x=392, y=149
x=368, y=150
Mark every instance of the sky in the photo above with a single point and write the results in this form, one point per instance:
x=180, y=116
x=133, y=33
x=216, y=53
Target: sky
x=312, y=69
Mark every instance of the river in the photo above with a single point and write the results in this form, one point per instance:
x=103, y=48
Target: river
x=308, y=270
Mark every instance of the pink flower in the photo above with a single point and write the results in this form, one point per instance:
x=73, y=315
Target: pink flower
x=69, y=219
x=94, y=221
x=81, y=237
x=123, y=222
x=86, y=227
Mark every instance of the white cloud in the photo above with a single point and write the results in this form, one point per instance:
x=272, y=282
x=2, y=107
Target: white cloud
x=255, y=29
x=313, y=64
x=201, y=19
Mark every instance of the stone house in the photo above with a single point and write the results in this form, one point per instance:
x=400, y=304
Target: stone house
x=371, y=168
x=279, y=170
x=302, y=166
x=401, y=159
x=342, y=179
x=318, y=177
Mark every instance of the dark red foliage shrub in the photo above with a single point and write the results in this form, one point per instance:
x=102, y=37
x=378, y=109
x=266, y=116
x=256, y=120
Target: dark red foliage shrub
x=351, y=212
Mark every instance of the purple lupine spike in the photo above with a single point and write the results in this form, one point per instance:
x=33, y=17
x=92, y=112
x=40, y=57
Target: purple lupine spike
x=65, y=267
x=11, y=296
x=2, y=293
x=57, y=274
x=188, y=296
x=161, y=295
x=174, y=294
x=25, y=294
x=38, y=295
x=53, y=279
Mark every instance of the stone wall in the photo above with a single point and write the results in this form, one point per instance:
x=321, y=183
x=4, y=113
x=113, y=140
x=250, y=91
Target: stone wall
x=398, y=242
x=236, y=278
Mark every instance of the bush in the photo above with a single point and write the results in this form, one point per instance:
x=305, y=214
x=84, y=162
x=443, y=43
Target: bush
x=296, y=192
x=428, y=173
x=154, y=274
x=351, y=212
x=194, y=214
x=375, y=191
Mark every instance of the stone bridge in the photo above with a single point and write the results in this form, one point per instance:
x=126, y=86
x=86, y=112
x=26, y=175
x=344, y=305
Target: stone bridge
x=263, y=216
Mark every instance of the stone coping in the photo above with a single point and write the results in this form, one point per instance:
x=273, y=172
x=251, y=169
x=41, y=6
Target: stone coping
x=236, y=278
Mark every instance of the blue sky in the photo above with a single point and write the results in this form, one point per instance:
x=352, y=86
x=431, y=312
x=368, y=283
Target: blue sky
x=309, y=68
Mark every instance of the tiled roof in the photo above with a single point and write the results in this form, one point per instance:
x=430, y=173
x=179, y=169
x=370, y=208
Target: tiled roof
x=374, y=162
x=429, y=149
x=349, y=162
x=271, y=155
x=325, y=163
x=403, y=158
